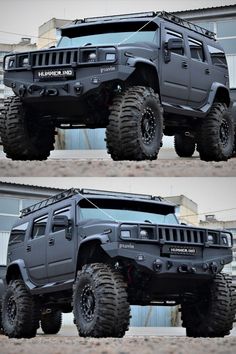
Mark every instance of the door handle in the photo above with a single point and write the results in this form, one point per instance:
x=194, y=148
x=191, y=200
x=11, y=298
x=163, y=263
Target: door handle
x=207, y=71
x=28, y=248
x=184, y=65
x=51, y=241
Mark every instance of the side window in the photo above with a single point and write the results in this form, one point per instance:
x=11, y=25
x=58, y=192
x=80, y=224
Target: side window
x=39, y=226
x=18, y=234
x=61, y=212
x=196, y=49
x=171, y=34
x=217, y=56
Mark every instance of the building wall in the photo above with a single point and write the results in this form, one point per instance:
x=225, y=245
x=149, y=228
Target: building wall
x=187, y=211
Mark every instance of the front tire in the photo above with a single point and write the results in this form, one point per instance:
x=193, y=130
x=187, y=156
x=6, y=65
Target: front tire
x=100, y=304
x=216, y=137
x=51, y=322
x=135, y=128
x=212, y=315
x=19, y=311
x=24, y=137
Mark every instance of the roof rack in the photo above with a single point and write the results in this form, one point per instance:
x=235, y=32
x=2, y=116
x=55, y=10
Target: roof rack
x=44, y=203
x=73, y=191
x=184, y=23
x=117, y=17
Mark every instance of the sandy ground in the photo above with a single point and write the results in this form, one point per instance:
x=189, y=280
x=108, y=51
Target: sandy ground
x=129, y=344
x=75, y=163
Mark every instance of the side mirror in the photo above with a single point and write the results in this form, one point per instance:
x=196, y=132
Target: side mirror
x=175, y=43
x=60, y=220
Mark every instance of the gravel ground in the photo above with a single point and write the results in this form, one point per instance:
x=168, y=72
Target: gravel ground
x=108, y=168
x=144, y=345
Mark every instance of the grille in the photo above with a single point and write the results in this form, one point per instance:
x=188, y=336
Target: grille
x=181, y=235
x=57, y=58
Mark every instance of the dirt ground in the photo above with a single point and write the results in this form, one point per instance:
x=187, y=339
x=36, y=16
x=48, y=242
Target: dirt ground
x=108, y=168
x=132, y=344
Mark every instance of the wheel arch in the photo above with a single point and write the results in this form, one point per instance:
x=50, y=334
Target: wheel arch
x=145, y=74
x=16, y=270
x=91, y=251
x=219, y=93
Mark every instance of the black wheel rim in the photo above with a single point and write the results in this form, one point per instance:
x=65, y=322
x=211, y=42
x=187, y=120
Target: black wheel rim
x=148, y=126
x=88, y=303
x=11, y=310
x=224, y=133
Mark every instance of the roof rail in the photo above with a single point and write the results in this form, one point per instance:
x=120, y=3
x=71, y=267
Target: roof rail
x=52, y=200
x=121, y=17
x=184, y=23
x=73, y=191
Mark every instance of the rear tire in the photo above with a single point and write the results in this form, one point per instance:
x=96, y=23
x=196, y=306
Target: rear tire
x=19, y=313
x=212, y=315
x=216, y=137
x=51, y=322
x=100, y=304
x=184, y=145
x=24, y=137
x=135, y=126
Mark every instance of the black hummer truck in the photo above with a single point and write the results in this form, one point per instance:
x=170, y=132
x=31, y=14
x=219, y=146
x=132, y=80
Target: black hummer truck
x=136, y=75
x=97, y=253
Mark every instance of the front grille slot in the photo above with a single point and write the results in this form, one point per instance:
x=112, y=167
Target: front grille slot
x=57, y=58
x=178, y=235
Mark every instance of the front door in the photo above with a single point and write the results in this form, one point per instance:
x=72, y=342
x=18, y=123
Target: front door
x=175, y=73
x=61, y=250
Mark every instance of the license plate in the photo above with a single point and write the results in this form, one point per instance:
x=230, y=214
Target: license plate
x=48, y=74
x=183, y=251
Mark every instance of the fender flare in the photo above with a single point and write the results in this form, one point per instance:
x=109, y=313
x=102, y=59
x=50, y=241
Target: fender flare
x=216, y=86
x=20, y=265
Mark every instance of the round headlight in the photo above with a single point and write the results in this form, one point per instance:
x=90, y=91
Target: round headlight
x=210, y=238
x=92, y=57
x=144, y=234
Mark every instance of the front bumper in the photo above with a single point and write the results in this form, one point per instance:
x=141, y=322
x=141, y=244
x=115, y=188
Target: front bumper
x=25, y=85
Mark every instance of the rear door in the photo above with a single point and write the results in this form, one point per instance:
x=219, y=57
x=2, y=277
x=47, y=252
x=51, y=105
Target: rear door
x=175, y=74
x=200, y=73
x=35, y=250
x=60, y=249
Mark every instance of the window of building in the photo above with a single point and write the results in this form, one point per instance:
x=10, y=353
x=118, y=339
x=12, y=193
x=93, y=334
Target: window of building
x=196, y=49
x=210, y=26
x=217, y=56
x=171, y=34
x=61, y=212
x=226, y=28
x=229, y=45
x=18, y=234
x=39, y=226
x=6, y=222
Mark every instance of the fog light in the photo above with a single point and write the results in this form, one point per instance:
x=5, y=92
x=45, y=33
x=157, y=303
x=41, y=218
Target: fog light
x=110, y=57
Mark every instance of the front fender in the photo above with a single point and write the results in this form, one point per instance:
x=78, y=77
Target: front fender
x=17, y=268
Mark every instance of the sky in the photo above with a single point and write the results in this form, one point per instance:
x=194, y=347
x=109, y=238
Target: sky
x=25, y=16
x=211, y=194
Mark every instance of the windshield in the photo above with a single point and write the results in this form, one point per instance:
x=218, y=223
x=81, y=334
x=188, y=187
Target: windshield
x=109, y=34
x=123, y=211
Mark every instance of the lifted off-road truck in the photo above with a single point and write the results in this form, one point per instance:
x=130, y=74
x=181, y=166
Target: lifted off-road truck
x=97, y=253
x=138, y=76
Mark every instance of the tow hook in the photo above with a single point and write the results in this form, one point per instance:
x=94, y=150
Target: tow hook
x=184, y=268
x=214, y=267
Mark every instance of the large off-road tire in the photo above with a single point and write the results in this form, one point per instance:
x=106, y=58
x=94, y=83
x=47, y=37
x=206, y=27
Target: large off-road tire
x=216, y=136
x=135, y=128
x=212, y=315
x=184, y=145
x=24, y=137
x=19, y=313
x=51, y=322
x=100, y=303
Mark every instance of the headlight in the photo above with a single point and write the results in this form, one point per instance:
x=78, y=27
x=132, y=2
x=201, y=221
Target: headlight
x=110, y=56
x=227, y=240
x=210, y=239
x=25, y=61
x=125, y=234
x=92, y=57
x=9, y=62
x=144, y=234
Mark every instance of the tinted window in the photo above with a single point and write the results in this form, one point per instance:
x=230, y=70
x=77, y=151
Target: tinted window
x=39, y=226
x=196, y=49
x=18, y=234
x=61, y=212
x=172, y=34
x=217, y=56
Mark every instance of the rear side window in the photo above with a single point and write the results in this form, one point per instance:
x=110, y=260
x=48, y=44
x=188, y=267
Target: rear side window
x=196, y=49
x=217, y=56
x=39, y=226
x=172, y=34
x=18, y=234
